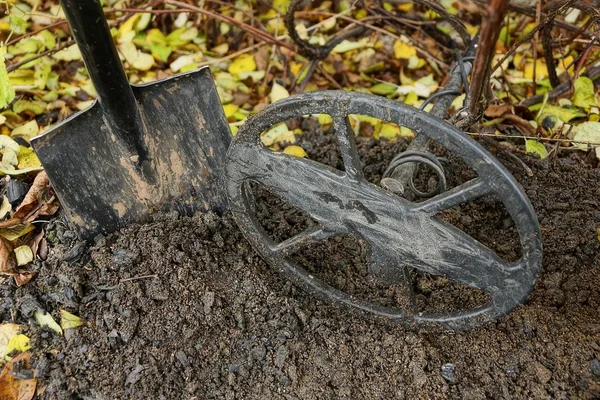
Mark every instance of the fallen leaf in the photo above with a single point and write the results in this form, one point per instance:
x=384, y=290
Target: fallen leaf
x=18, y=343
x=7, y=91
x=26, y=131
x=278, y=92
x=295, y=151
x=498, y=110
x=587, y=132
x=16, y=230
x=348, y=45
x=280, y=133
x=71, y=53
x=403, y=50
x=46, y=320
x=5, y=208
x=242, y=63
x=541, y=70
x=136, y=58
x=12, y=388
x=583, y=95
x=535, y=147
x=7, y=261
x=7, y=332
x=565, y=114
x=24, y=255
x=34, y=203
x=70, y=321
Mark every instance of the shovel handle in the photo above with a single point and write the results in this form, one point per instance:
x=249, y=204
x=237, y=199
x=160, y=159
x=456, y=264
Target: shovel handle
x=92, y=34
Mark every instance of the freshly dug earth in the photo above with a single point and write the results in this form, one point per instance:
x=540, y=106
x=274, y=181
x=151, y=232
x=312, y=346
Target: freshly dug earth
x=182, y=308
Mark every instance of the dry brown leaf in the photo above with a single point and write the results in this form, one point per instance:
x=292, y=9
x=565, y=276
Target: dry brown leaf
x=7, y=260
x=12, y=388
x=33, y=203
x=22, y=277
x=8, y=266
x=498, y=110
x=34, y=243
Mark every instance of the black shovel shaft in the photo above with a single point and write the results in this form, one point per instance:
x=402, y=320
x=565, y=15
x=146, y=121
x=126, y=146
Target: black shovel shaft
x=91, y=31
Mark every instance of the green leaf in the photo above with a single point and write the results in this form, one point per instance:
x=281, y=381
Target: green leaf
x=384, y=89
x=565, y=114
x=37, y=107
x=7, y=92
x=535, y=147
x=46, y=320
x=584, y=93
x=161, y=51
x=27, y=131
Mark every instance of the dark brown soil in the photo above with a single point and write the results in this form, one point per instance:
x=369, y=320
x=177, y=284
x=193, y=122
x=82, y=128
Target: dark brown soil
x=182, y=308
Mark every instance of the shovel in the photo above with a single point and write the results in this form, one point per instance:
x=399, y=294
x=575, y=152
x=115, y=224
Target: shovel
x=137, y=149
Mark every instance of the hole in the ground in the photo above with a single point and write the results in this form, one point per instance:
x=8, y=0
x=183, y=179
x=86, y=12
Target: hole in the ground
x=437, y=294
x=279, y=219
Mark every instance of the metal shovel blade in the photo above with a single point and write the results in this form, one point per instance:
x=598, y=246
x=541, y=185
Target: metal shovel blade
x=103, y=185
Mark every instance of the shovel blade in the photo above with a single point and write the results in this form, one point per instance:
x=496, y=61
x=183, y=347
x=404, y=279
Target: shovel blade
x=101, y=184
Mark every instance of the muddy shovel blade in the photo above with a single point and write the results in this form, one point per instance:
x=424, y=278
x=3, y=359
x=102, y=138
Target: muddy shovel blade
x=102, y=184
x=138, y=149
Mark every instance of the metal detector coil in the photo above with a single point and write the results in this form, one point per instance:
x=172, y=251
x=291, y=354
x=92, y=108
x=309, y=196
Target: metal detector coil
x=399, y=232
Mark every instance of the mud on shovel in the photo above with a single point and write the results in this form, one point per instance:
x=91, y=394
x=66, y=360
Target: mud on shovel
x=138, y=148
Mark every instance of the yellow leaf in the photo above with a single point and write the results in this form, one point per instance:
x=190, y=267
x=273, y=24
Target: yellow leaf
x=5, y=208
x=27, y=158
x=128, y=25
x=281, y=5
x=7, y=91
x=278, y=134
x=541, y=70
x=18, y=343
x=295, y=151
x=136, y=58
x=46, y=320
x=278, y=92
x=7, y=332
x=24, y=255
x=403, y=50
x=70, y=321
x=242, y=63
x=15, y=232
x=71, y=53
x=230, y=109
x=26, y=131
x=406, y=7
x=324, y=119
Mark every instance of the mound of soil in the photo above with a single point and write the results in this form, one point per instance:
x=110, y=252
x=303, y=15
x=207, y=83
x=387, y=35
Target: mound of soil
x=182, y=308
